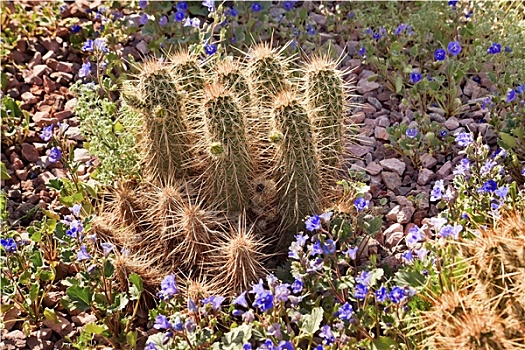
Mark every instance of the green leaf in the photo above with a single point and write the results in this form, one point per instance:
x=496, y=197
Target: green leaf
x=57, y=184
x=137, y=282
x=3, y=171
x=108, y=269
x=410, y=278
x=4, y=80
x=50, y=315
x=93, y=328
x=238, y=335
x=509, y=140
x=37, y=259
x=33, y=292
x=80, y=297
x=373, y=226
x=46, y=275
x=399, y=84
x=383, y=343
x=131, y=338
x=312, y=321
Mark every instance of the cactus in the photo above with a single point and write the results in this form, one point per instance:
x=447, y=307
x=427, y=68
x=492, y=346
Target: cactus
x=296, y=169
x=229, y=175
x=241, y=143
x=326, y=94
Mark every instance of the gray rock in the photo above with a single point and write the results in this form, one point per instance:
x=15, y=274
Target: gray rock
x=392, y=214
x=405, y=215
x=392, y=180
x=364, y=86
x=74, y=133
x=142, y=46
x=424, y=177
x=437, y=117
x=359, y=151
x=437, y=110
x=30, y=153
x=445, y=170
x=472, y=89
x=381, y=134
x=373, y=168
x=393, y=235
x=81, y=155
x=375, y=102
x=352, y=47
x=451, y=123
x=393, y=164
x=383, y=121
x=358, y=117
x=427, y=161
x=319, y=19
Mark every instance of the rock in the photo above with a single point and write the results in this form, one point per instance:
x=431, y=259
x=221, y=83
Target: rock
x=373, y=168
x=70, y=105
x=445, y=170
x=63, y=115
x=375, y=102
x=62, y=328
x=29, y=98
x=30, y=153
x=352, y=47
x=381, y=134
x=39, y=344
x=42, y=119
x=427, y=161
x=359, y=151
x=49, y=85
x=424, y=177
x=393, y=235
x=358, y=117
x=37, y=59
x=393, y=164
x=472, y=89
x=16, y=338
x=392, y=180
x=392, y=214
x=74, y=133
x=319, y=19
x=65, y=67
x=383, y=121
x=83, y=319
x=9, y=318
x=405, y=215
x=364, y=86
x=81, y=155
x=50, y=44
x=40, y=69
x=451, y=123
x=142, y=47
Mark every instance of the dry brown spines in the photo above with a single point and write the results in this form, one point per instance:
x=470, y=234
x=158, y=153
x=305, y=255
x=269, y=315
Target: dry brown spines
x=238, y=260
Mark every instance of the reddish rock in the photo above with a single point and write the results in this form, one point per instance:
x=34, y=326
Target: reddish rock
x=29, y=98
x=63, y=115
x=49, y=85
x=21, y=174
x=50, y=44
x=30, y=153
x=16, y=162
x=42, y=119
x=62, y=328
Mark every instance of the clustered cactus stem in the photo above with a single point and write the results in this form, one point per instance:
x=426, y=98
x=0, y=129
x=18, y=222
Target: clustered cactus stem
x=232, y=156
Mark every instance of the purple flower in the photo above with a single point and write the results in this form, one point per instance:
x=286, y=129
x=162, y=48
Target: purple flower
x=161, y=322
x=361, y=291
x=400, y=29
x=397, y=294
x=297, y=286
x=83, y=254
x=210, y=49
x=315, y=249
x=75, y=228
x=421, y=253
x=494, y=48
x=313, y=223
x=256, y=7
x=415, y=77
x=75, y=28
x=47, y=133
x=437, y=191
x=463, y=139
x=9, y=245
x=362, y=51
x=88, y=46
x=315, y=265
x=449, y=230
x=258, y=288
x=179, y=16
x=463, y=167
x=411, y=132
x=364, y=278
x=454, y=48
x=352, y=252
x=453, y=3
x=381, y=294
x=311, y=30
x=168, y=287
x=502, y=192
x=414, y=236
x=489, y=186
x=282, y=292
x=150, y=345
x=63, y=8
x=487, y=166
x=247, y=346
x=327, y=335
x=329, y=247
x=520, y=89
x=84, y=70
x=143, y=4
x=143, y=19
x=440, y=55
x=248, y=316
x=107, y=248
x=511, y=96
x=182, y=6
x=288, y=5
x=163, y=20
x=241, y=300
x=189, y=325
x=192, y=307
x=54, y=155
x=100, y=44
x=194, y=22
x=361, y=204
x=264, y=301
x=210, y=4
x=408, y=256
x=285, y=345
x=215, y=301
x=233, y=12
x=345, y=312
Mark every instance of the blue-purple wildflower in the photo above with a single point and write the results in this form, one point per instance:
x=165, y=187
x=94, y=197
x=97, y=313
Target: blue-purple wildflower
x=454, y=48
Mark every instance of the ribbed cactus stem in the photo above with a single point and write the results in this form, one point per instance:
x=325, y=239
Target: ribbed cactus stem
x=325, y=96
x=296, y=168
x=230, y=73
x=231, y=171
x=167, y=142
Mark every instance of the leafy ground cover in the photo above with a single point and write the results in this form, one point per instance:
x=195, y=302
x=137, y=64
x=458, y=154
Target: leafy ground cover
x=405, y=230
